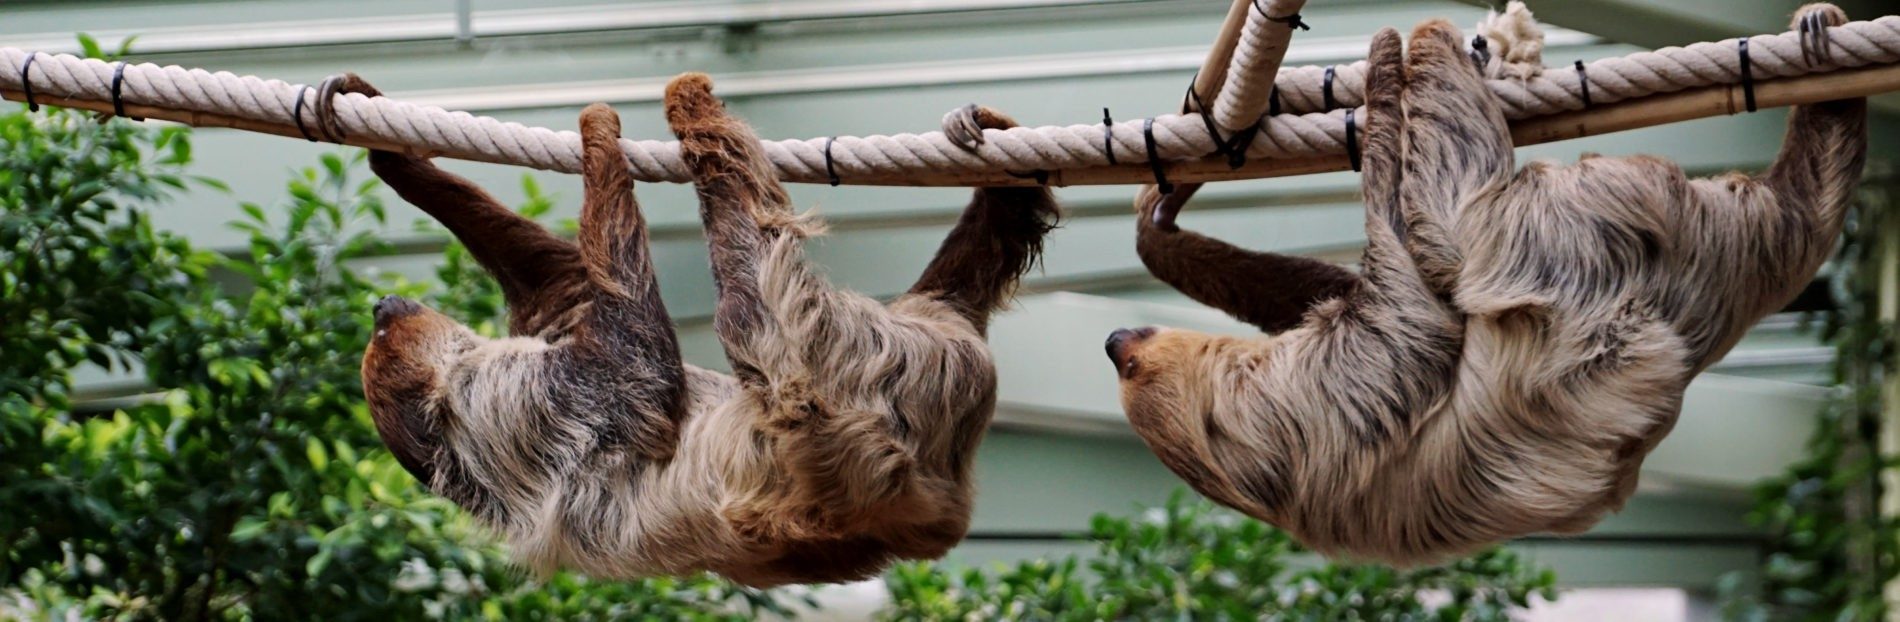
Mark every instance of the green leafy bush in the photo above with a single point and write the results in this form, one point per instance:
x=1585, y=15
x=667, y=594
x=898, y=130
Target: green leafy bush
x=1191, y=561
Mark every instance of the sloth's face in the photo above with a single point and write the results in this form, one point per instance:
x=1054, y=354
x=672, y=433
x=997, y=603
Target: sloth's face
x=1172, y=384
x=1163, y=375
x=1166, y=390
x=404, y=371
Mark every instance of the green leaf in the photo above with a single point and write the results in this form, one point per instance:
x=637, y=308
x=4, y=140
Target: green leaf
x=313, y=449
x=89, y=47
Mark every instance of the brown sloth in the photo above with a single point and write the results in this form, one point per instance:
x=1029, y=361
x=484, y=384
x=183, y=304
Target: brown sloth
x=843, y=443
x=1517, y=342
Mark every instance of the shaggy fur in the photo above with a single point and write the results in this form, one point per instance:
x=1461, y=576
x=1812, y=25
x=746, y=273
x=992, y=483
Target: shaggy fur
x=843, y=443
x=1517, y=343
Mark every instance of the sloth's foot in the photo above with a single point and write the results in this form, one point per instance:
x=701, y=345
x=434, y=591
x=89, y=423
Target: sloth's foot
x=964, y=126
x=1813, y=22
x=327, y=124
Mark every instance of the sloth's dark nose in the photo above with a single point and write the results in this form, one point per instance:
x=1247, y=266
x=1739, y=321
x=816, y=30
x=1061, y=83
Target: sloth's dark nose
x=393, y=306
x=1118, y=342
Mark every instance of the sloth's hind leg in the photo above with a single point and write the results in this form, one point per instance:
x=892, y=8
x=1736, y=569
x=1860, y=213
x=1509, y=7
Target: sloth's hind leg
x=744, y=209
x=1456, y=147
x=620, y=369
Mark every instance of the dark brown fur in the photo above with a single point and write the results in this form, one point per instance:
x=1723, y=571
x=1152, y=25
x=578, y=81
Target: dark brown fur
x=1272, y=291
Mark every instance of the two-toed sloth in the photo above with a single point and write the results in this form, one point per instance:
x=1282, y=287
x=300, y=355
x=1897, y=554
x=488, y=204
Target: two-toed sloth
x=842, y=442
x=1517, y=341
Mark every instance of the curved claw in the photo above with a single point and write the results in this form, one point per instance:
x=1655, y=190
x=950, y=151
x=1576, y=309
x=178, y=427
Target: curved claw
x=1823, y=38
x=1807, y=32
x=1813, y=22
x=327, y=123
x=1167, y=206
x=337, y=84
x=961, y=127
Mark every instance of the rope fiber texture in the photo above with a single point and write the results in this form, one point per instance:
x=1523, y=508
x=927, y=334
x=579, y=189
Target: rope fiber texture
x=1303, y=129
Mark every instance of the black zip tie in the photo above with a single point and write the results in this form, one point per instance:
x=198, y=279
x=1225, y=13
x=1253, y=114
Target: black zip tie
x=26, y=85
x=1207, y=118
x=1108, y=136
x=829, y=170
x=1352, y=140
x=1583, y=83
x=118, y=81
x=1480, y=52
x=296, y=113
x=1291, y=21
x=1748, y=76
x=1273, y=101
x=1236, y=148
x=1154, y=157
x=1326, y=89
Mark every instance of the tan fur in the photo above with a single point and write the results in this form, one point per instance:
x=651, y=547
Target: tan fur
x=843, y=441
x=1518, y=341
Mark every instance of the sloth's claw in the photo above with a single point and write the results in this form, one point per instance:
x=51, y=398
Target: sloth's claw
x=964, y=126
x=1813, y=22
x=961, y=127
x=337, y=84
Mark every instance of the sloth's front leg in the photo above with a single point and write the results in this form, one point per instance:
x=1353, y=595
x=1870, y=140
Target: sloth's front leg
x=1822, y=154
x=998, y=237
x=540, y=274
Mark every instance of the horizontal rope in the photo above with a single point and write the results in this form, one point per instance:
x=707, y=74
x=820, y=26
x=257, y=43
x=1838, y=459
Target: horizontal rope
x=1303, y=132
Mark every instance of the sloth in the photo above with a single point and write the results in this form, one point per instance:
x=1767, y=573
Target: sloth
x=841, y=443
x=1515, y=343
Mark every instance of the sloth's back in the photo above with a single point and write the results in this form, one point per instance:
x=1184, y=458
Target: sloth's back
x=1574, y=363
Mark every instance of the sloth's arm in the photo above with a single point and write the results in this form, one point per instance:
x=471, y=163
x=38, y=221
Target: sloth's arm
x=996, y=240
x=1269, y=290
x=621, y=364
x=1822, y=153
x=540, y=274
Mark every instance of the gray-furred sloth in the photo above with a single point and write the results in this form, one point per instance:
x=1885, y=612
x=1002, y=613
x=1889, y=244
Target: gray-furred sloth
x=1516, y=343
x=843, y=443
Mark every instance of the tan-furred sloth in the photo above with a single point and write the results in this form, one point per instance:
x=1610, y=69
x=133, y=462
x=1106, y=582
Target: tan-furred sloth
x=843, y=443
x=1517, y=342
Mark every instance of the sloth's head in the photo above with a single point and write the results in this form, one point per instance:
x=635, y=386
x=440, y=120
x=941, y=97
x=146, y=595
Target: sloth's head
x=1172, y=383
x=1166, y=373
x=404, y=373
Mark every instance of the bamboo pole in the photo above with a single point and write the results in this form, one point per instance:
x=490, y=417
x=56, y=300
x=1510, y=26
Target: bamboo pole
x=1213, y=71
x=1207, y=83
x=1625, y=115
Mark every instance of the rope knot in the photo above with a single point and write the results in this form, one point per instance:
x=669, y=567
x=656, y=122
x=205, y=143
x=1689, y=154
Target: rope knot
x=1516, y=49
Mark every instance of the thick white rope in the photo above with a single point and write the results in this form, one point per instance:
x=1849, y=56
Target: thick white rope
x=1301, y=132
x=1243, y=98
